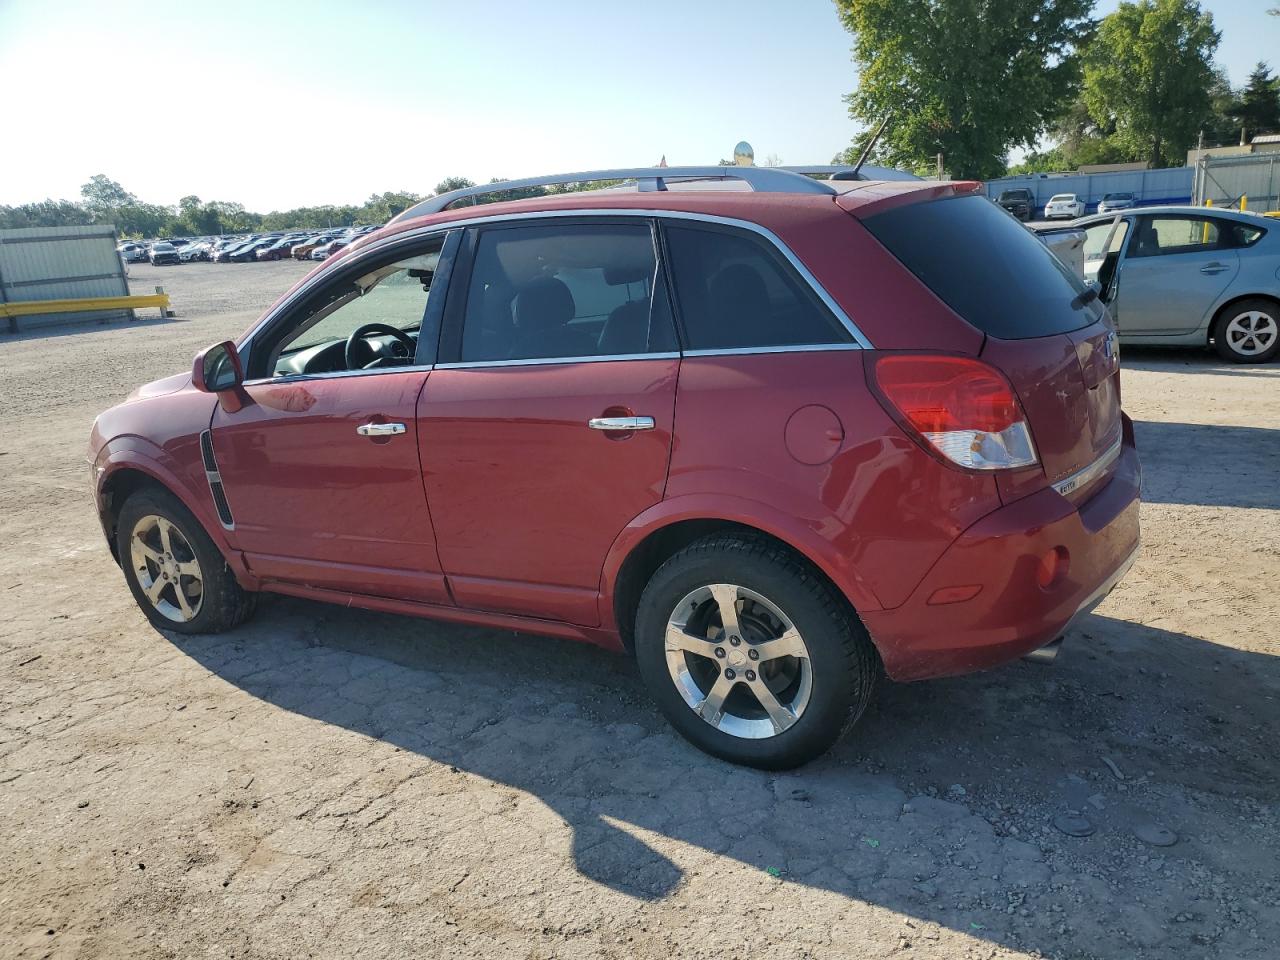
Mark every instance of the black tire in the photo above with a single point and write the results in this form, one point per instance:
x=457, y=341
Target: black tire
x=843, y=662
x=224, y=604
x=1222, y=338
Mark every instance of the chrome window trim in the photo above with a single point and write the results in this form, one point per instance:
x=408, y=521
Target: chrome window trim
x=1082, y=477
x=547, y=361
x=787, y=348
x=245, y=344
x=332, y=374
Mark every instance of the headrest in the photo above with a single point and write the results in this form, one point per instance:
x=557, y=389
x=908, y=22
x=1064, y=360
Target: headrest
x=631, y=273
x=544, y=303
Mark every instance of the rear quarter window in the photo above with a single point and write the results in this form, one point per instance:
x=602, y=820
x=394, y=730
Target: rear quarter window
x=985, y=266
x=736, y=292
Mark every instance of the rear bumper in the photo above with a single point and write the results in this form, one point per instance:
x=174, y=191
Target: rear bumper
x=1012, y=614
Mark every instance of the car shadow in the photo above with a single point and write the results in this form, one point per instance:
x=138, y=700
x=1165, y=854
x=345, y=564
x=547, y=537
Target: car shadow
x=1191, y=360
x=886, y=818
x=1245, y=462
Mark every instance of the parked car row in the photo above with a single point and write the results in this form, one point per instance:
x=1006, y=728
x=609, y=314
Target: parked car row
x=1021, y=202
x=301, y=245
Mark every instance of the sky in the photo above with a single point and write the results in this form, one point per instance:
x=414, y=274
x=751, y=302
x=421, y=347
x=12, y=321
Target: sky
x=280, y=105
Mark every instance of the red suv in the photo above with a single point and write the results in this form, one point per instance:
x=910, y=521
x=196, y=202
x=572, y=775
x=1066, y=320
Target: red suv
x=772, y=442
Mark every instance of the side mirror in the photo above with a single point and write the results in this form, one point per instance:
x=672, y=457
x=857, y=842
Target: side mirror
x=217, y=368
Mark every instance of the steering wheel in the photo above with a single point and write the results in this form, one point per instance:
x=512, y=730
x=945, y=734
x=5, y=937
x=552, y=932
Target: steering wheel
x=356, y=344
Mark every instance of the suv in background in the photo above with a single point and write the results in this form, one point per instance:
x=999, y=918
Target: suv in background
x=1019, y=201
x=472, y=414
x=162, y=251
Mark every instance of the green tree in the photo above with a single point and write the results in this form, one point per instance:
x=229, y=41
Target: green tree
x=44, y=213
x=1149, y=72
x=1258, y=110
x=449, y=184
x=965, y=78
x=101, y=192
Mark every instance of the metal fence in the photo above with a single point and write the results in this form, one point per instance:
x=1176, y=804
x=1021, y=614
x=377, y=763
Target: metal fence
x=61, y=263
x=1227, y=180
x=1149, y=187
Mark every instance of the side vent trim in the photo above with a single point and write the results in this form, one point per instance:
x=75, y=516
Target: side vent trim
x=215, y=481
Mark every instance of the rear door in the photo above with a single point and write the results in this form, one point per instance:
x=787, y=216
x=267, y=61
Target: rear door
x=1044, y=329
x=1172, y=272
x=547, y=428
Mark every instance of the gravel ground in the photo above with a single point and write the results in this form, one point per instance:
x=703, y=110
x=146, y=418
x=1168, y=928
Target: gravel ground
x=326, y=782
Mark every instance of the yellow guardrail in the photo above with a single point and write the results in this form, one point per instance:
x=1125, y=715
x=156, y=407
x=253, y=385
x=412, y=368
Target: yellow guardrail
x=29, y=308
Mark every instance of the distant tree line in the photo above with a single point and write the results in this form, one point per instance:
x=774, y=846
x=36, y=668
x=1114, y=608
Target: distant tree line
x=973, y=80
x=103, y=200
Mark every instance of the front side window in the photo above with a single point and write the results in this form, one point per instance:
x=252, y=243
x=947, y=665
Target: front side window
x=1096, y=235
x=368, y=321
x=736, y=292
x=553, y=291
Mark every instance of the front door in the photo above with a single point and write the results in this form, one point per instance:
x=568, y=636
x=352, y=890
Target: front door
x=1174, y=269
x=548, y=428
x=320, y=462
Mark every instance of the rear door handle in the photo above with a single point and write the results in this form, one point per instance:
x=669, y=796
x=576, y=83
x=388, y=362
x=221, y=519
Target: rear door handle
x=1212, y=268
x=380, y=429
x=621, y=423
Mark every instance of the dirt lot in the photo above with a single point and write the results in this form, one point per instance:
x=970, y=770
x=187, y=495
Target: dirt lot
x=330, y=783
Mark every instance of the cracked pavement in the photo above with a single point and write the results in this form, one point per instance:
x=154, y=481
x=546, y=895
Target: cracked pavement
x=325, y=781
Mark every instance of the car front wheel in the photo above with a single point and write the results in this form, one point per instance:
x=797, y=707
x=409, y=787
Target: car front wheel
x=1249, y=331
x=750, y=654
x=174, y=570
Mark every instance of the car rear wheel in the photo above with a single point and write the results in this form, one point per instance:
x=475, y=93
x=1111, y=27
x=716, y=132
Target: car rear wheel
x=1248, y=331
x=177, y=575
x=750, y=654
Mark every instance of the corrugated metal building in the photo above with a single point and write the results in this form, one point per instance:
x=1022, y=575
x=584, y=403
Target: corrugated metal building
x=1225, y=180
x=60, y=263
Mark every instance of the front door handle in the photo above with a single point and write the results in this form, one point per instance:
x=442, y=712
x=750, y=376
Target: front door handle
x=380, y=429
x=1212, y=268
x=621, y=423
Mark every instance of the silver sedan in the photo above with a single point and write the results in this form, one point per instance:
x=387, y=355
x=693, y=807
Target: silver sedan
x=1189, y=276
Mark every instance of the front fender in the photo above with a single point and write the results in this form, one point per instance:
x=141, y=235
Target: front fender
x=804, y=538
x=134, y=453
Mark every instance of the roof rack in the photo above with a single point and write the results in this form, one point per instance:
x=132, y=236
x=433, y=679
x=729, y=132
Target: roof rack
x=761, y=180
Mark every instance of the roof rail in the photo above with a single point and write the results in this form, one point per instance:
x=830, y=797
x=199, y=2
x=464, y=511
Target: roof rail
x=761, y=180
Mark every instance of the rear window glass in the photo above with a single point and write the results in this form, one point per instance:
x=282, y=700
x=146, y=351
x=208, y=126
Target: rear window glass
x=986, y=266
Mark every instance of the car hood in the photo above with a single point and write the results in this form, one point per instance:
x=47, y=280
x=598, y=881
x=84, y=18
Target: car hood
x=159, y=388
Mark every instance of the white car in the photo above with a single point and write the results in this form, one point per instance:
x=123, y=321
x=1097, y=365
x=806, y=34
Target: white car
x=1064, y=206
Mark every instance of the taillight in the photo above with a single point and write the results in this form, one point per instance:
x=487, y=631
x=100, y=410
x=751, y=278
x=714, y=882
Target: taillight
x=963, y=408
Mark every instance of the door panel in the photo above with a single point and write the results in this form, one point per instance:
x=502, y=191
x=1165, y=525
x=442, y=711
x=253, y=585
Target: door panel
x=315, y=502
x=528, y=498
x=1173, y=271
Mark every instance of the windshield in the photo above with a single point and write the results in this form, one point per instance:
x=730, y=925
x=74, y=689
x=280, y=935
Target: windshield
x=1062, y=197
x=1015, y=195
x=1118, y=196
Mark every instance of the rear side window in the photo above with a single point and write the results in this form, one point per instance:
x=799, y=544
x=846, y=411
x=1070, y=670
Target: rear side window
x=986, y=266
x=565, y=290
x=736, y=291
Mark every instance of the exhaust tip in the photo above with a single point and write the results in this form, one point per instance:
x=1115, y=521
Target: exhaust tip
x=1046, y=654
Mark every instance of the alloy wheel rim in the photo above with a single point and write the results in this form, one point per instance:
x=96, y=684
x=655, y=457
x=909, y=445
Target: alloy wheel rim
x=1251, y=333
x=166, y=568
x=738, y=661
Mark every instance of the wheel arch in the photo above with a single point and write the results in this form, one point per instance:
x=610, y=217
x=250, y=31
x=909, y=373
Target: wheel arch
x=1220, y=313
x=670, y=526
x=125, y=472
